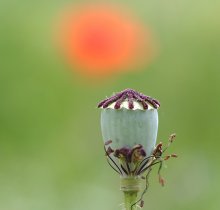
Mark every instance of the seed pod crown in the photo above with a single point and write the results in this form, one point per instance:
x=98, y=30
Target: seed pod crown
x=129, y=99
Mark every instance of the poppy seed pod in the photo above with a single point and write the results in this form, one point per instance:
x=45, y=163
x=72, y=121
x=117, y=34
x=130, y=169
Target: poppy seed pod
x=130, y=118
x=129, y=124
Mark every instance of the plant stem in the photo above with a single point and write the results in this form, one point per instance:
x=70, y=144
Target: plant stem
x=130, y=185
x=130, y=198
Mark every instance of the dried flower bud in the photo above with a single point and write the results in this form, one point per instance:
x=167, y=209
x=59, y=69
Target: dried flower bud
x=172, y=137
x=167, y=157
x=174, y=155
x=161, y=181
x=142, y=204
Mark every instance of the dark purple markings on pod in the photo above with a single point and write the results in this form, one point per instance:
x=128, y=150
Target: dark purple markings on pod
x=130, y=96
x=119, y=102
x=110, y=100
x=130, y=101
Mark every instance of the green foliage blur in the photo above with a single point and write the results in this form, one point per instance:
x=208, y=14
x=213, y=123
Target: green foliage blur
x=51, y=150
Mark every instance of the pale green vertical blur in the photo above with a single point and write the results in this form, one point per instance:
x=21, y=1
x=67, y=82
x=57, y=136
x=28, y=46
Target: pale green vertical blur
x=51, y=155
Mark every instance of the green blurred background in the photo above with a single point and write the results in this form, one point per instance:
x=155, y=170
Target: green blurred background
x=51, y=151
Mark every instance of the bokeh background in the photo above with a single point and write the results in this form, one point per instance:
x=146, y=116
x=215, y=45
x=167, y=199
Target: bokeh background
x=51, y=151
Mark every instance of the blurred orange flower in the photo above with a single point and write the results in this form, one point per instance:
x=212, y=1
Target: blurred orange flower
x=100, y=39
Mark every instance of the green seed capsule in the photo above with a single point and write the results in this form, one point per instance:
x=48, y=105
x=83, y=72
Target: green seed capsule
x=127, y=127
x=130, y=127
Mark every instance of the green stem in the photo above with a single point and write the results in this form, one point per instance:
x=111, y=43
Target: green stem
x=130, y=185
x=130, y=198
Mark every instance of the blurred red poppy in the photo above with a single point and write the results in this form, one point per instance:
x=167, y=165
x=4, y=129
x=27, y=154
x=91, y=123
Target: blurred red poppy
x=100, y=39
